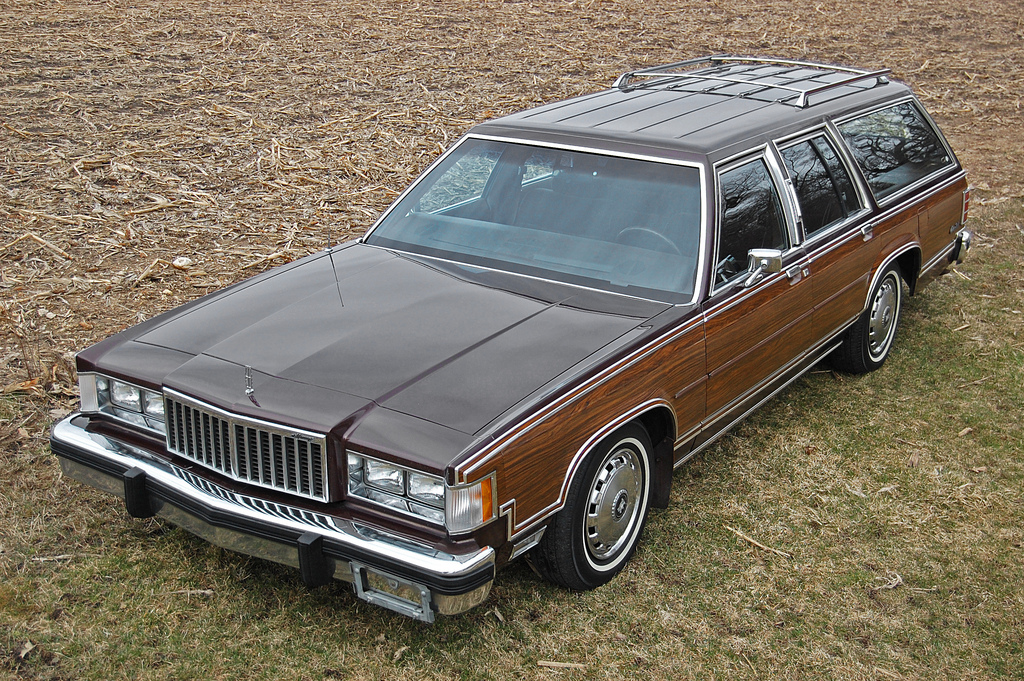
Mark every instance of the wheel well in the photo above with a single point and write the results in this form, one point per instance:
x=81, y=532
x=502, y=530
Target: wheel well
x=659, y=424
x=910, y=265
x=661, y=428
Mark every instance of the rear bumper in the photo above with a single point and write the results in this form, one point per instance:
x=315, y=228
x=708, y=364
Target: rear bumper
x=962, y=246
x=387, y=570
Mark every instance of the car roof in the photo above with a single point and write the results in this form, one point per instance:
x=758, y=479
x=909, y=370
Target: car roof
x=730, y=104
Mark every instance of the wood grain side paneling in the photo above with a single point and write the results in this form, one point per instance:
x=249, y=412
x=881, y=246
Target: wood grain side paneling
x=538, y=463
x=899, y=227
x=842, y=270
x=754, y=338
x=893, y=234
x=942, y=212
x=840, y=278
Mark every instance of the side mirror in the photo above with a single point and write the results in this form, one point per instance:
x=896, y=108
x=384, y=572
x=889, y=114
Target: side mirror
x=761, y=261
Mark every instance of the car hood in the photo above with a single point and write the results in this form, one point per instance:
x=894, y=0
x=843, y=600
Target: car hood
x=376, y=329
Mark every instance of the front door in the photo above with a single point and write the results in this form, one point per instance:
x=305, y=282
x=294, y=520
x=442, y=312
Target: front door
x=754, y=328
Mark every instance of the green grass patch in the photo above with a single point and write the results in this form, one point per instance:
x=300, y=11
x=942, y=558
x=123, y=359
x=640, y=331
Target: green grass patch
x=898, y=496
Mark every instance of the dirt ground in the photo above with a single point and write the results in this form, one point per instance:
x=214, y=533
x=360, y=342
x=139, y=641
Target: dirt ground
x=151, y=152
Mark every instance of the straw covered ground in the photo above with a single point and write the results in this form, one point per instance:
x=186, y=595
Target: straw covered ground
x=155, y=150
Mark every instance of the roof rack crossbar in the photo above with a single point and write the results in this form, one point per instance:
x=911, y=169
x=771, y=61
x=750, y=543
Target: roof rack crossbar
x=673, y=80
x=671, y=72
x=880, y=76
x=622, y=81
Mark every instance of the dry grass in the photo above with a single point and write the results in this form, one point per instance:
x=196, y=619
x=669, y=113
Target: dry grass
x=153, y=151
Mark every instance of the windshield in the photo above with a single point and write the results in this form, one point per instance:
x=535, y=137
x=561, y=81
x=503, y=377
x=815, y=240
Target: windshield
x=616, y=224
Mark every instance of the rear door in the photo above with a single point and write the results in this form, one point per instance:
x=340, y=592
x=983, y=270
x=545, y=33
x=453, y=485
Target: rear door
x=832, y=217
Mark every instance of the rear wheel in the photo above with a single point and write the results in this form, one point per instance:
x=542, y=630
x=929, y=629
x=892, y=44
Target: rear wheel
x=591, y=539
x=867, y=343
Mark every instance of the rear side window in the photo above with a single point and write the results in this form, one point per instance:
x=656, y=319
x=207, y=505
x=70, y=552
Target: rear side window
x=822, y=185
x=752, y=217
x=895, y=147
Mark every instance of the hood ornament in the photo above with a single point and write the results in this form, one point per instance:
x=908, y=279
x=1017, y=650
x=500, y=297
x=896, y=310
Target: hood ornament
x=250, y=392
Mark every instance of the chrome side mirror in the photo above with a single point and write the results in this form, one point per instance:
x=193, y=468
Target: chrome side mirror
x=761, y=261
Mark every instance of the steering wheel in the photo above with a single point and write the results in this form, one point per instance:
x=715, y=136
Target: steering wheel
x=643, y=237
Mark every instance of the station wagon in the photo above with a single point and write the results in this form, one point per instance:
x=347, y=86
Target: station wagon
x=566, y=306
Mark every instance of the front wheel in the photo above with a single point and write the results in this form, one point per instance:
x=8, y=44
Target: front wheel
x=597, y=531
x=867, y=343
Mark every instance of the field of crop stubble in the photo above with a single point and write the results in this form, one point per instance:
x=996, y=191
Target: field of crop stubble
x=151, y=152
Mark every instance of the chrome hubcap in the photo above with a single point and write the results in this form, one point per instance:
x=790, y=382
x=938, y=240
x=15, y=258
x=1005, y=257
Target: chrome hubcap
x=613, y=507
x=882, y=322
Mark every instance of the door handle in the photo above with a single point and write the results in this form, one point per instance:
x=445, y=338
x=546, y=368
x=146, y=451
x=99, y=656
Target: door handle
x=796, y=273
x=867, y=231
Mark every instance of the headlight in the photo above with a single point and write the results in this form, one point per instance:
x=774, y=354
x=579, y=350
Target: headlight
x=126, y=395
x=123, y=401
x=384, y=476
x=460, y=509
x=355, y=469
x=427, y=489
x=153, y=404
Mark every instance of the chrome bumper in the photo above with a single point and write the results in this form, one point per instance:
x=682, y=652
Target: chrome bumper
x=385, y=569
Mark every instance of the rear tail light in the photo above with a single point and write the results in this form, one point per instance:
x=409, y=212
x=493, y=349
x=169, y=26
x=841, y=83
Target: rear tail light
x=966, y=208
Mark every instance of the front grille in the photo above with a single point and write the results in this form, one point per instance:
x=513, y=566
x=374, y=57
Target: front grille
x=245, y=449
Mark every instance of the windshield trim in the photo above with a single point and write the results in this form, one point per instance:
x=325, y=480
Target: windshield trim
x=702, y=180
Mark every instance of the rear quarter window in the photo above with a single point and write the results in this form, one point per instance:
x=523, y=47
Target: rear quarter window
x=895, y=147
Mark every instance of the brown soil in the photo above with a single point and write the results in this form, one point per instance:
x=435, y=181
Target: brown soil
x=240, y=135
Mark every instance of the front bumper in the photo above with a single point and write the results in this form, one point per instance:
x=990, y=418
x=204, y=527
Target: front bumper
x=385, y=569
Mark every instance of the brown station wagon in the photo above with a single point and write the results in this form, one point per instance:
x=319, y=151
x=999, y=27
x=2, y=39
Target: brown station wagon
x=566, y=306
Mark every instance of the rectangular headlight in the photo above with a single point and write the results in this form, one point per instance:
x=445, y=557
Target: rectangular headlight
x=153, y=404
x=385, y=476
x=460, y=509
x=427, y=489
x=355, y=469
x=126, y=395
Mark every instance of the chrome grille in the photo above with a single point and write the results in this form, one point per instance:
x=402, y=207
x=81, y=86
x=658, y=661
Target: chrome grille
x=285, y=459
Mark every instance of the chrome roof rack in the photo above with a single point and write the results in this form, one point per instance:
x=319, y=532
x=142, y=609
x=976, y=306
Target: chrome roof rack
x=802, y=86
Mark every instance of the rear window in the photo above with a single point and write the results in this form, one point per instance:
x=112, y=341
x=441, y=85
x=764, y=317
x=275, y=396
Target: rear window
x=895, y=148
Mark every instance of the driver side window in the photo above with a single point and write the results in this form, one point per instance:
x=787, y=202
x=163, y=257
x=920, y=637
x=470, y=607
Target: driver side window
x=750, y=216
